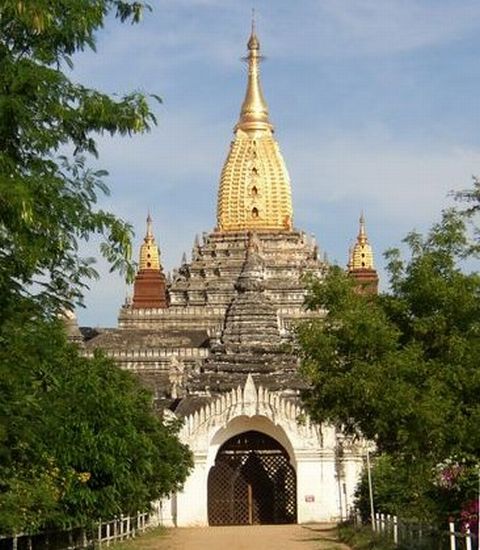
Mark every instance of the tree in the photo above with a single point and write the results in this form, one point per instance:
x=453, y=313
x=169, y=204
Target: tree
x=471, y=198
x=47, y=200
x=401, y=369
x=79, y=438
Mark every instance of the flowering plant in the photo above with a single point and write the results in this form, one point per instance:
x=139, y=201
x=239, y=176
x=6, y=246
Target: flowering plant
x=447, y=474
x=469, y=515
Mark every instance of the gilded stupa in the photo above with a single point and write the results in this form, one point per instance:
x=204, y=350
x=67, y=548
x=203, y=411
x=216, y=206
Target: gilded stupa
x=254, y=191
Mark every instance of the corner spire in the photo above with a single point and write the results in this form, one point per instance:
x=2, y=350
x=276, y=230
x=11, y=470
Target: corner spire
x=149, y=253
x=362, y=253
x=149, y=289
x=254, y=112
x=360, y=264
x=149, y=233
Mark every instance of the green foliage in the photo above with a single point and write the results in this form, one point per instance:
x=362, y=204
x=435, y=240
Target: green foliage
x=471, y=200
x=47, y=201
x=401, y=368
x=419, y=490
x=362, y=538
x=79, y=438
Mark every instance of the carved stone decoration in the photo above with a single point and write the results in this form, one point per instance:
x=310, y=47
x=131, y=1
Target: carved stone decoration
x=176, y=377
x=251, y=401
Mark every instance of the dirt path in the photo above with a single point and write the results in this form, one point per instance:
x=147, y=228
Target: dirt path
x=257, y=537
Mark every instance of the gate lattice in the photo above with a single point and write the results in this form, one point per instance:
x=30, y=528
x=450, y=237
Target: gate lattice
x=252, y=482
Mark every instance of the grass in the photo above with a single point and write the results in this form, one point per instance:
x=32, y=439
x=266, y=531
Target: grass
x=326, y=534
x=147, y=541
x=363, y=538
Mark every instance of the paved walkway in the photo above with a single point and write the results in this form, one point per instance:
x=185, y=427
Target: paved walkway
x=256, y=537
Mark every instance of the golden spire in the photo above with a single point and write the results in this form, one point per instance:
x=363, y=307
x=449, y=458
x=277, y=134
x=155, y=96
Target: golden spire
x=149, y=253
x=254, y=111
x=254, y=191
x=361, y=254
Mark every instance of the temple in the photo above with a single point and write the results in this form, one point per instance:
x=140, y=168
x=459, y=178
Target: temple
x=215, y=343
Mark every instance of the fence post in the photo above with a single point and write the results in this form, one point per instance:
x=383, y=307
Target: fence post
x=453, y=538
x=15, y=542
x=468, y=538
x=370, y=491
x=395, y=529
x=99, y=533
x=115, y=528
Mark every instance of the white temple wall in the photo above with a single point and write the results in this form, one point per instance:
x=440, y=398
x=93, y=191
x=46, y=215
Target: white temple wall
x=321, y=494
x=316, y=488
x=192, y=501
x=353, y=469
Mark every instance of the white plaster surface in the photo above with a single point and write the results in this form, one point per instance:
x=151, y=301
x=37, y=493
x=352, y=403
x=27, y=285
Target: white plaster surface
x=324, y=489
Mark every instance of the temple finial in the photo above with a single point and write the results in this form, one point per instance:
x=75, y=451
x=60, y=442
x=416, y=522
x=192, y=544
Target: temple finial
x=149, y=233
x=362, y=235
x=254, y=112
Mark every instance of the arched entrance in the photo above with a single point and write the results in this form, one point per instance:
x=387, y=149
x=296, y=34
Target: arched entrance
x=252, y=482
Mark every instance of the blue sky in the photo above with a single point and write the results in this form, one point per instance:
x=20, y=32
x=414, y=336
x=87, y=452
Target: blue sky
x=375, y=105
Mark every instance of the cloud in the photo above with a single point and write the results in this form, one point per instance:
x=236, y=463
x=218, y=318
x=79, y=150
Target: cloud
x=404, y=183
x=399, y=25
x=189, y=34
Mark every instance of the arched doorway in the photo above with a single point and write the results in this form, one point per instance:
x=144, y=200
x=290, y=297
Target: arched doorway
x=252, y=482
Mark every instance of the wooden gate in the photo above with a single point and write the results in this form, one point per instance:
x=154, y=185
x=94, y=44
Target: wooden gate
x=252, y=482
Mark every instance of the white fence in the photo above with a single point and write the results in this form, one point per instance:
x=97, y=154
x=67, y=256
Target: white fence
x=121, y=528
x=102, y=534
x=411, y=534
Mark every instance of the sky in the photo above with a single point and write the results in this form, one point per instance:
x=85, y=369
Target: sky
x=375, y=106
